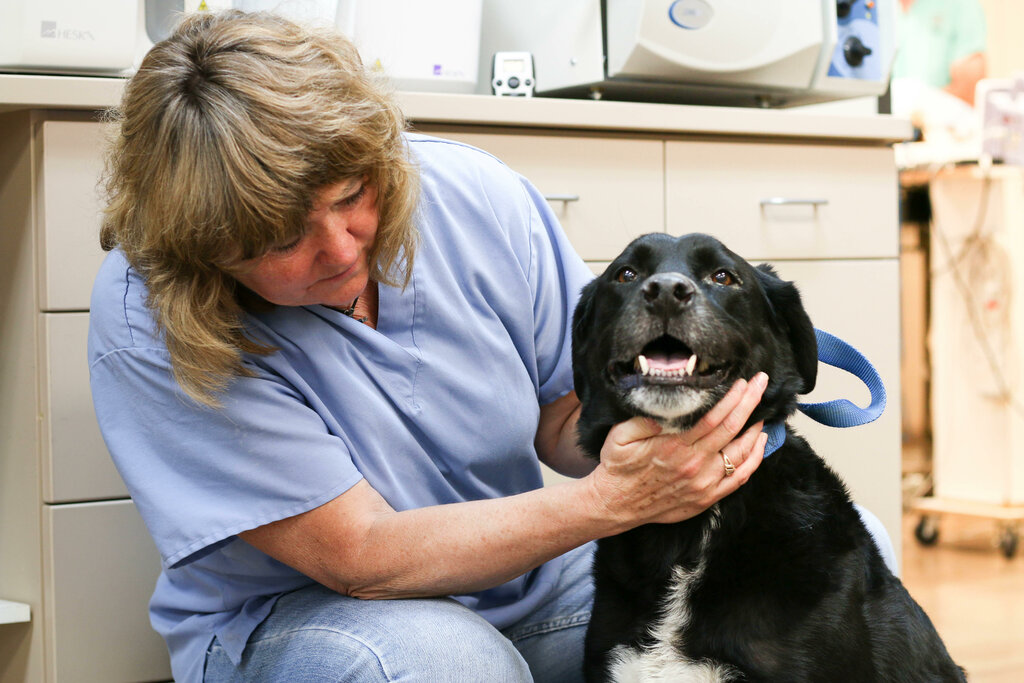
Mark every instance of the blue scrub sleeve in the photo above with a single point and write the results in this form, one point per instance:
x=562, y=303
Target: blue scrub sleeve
x=557, y=275
x=199, y=476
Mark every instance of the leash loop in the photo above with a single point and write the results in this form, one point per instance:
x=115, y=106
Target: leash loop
x=838, y=412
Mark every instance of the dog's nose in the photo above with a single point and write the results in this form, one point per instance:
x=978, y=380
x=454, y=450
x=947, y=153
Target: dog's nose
x=668, y=293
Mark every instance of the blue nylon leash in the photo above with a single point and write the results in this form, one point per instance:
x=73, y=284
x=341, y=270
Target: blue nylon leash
x=839, y=412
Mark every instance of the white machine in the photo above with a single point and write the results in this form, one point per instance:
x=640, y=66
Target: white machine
x=157, y=18
x=432, y=46
x=512, y=74
x=95, y=37
x=1000, y=106
x=734, y=52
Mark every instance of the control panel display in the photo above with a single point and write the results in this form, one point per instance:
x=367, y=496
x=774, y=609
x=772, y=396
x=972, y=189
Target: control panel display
x=859, y=52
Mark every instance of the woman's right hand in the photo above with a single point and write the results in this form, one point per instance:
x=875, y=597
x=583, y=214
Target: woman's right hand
x=646, y=476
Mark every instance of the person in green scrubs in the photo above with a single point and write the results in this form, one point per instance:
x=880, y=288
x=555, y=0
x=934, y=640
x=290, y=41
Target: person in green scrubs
x=942, y=44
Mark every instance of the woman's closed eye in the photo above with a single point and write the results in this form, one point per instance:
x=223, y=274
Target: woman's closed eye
x=285, y=248
x=343, y=203
x=352, y=199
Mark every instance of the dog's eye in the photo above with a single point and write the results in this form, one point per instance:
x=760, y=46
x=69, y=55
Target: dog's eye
x=625, y=274
x=723, y=277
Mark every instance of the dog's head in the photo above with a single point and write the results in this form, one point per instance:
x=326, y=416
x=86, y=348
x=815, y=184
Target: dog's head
x=672, y=323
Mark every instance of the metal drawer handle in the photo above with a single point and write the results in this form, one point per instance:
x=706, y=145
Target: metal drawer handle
x=785, y=201
x=562, y=197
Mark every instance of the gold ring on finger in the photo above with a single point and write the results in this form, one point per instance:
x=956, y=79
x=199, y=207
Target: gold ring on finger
x=729, y=467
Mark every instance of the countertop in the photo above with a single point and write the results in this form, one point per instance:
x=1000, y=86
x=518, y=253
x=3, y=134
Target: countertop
x=94, y=93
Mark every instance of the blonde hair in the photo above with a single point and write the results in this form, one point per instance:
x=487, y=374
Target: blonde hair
x=221, y=140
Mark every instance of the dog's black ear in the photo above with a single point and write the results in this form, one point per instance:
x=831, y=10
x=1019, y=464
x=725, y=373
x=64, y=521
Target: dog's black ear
x=789, y=310
x=582, y=322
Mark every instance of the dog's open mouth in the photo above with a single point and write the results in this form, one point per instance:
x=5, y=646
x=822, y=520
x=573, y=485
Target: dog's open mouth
x=667, y=361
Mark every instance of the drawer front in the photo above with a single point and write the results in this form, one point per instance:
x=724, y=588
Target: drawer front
x=100, y=567
x=76, y=465
x=604, y=191
x=857, y=301
x=771, y=201
x=69, y=213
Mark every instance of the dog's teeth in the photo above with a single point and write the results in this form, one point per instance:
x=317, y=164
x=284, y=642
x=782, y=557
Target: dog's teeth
x=691, y=364
x=703, y=366
x=641, y=361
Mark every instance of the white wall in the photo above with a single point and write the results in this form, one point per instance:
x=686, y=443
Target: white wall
x=1005, y=19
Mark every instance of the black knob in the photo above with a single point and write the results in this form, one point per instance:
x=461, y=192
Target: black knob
x=843, y=8
x=513, y=82
x=855, y=51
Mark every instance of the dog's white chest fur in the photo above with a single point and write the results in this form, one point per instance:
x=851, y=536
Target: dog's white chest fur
x=662, y=661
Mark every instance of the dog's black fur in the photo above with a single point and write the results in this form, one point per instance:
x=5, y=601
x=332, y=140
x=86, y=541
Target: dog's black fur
x=787, y=584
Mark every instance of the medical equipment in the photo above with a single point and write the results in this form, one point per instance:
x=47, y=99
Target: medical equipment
x=1000, y=106
x=95, y=37
x=432, y=46
x=420, y=46
x=512, y=74
x=733, y=52
x=157, y=18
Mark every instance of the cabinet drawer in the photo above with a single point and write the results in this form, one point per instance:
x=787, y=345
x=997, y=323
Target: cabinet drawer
x=857, y=301
x=769, y=201
x=611, y=188
x=68, y=212
x=100, y=567
x=76, y=465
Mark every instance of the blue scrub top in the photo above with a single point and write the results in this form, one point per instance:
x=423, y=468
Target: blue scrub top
x=438, y=405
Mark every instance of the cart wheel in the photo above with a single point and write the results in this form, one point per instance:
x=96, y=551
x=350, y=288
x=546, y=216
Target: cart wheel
x=927, y=531
x=1008, y=542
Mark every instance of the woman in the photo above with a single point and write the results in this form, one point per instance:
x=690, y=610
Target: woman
x=326, y=356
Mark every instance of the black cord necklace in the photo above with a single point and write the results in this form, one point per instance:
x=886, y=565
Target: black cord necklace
x=351, y=309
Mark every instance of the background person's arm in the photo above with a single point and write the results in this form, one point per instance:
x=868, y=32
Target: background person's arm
x=964, y=75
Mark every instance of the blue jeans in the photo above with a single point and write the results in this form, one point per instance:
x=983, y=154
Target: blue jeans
x=315, y=634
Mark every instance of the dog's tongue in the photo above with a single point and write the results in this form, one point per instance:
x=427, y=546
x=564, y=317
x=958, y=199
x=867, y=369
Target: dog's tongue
x=661, y=361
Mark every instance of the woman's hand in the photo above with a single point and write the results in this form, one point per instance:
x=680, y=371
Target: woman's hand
x=358, y=545
x=646, y=476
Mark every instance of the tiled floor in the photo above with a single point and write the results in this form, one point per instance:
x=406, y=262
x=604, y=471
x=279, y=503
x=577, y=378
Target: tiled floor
x=973, y=594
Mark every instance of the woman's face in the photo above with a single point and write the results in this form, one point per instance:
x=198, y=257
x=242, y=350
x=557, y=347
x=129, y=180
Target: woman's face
x=329, y=264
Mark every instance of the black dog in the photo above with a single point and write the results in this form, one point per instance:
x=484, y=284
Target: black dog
x=779, y=581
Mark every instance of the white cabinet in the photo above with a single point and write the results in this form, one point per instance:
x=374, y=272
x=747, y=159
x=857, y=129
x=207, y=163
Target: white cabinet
x=72, y=545
x=857, y=300
x=826, y=216
x=69, y=162
x=605, y=191
x=75, y=462
x=93, y=608
x=785, y=200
